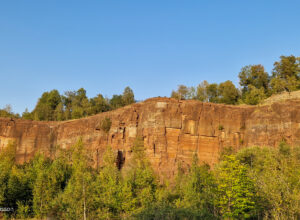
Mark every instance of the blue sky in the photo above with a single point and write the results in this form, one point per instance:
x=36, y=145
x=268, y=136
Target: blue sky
x=151, y=46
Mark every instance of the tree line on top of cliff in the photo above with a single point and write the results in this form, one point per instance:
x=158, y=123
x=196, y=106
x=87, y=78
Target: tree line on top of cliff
x=53, y=106
x=256, y=84
x=7, y=112
x=253, y=183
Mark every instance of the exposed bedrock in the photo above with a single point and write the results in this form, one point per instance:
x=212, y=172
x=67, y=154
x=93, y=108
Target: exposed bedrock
x=172, y=131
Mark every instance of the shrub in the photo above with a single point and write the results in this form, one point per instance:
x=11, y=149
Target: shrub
x=106, y=124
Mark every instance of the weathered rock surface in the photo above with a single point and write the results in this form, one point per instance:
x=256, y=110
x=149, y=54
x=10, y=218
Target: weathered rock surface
x=172, y=131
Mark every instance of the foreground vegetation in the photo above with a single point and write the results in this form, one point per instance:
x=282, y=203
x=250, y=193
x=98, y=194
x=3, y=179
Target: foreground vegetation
x=253, y=183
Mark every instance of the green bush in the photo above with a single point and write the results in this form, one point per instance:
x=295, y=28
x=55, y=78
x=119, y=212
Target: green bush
x=106, y=124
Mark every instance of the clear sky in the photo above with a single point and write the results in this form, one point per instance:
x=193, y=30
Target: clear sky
x=149, y=45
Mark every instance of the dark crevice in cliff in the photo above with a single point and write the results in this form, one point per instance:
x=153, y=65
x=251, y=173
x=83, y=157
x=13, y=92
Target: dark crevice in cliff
x=120, y=160
x=213, y=136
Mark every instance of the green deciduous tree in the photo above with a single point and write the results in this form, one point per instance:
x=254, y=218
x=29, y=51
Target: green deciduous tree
x=286, y=74
x=275, y=173
x=7, y=112
x=15, y=185
x=59, y=112
x=116, y=101
x=76, y=104
x=77, y=200
x=197, y=191
x=253, y=95
x=41, y=190
x=229, y=94
x=99, y=104
x=287, y=66
x=235, y=190
x=46, y=105
x=254, y=76
x=212, y=92
x=255, y=84
x=128, y=96
x=50, y=180
x=114, y=197
x=27, y=115
x=7, y=161
x=183, y=93
x=278, y=84
x=140, y=178
x=202, y=91
x=19, y=188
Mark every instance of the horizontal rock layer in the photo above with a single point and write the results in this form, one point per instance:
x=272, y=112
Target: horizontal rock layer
x=172, y=131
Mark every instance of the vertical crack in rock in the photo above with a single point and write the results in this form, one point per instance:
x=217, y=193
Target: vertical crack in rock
x=198, y=135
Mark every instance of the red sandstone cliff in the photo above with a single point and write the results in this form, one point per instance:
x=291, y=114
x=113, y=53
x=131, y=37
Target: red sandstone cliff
x=172, y=131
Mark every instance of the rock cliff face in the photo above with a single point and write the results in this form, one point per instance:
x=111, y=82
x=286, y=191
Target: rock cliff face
x=172, y=131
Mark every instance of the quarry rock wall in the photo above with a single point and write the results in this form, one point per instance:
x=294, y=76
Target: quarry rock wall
x=172, y=131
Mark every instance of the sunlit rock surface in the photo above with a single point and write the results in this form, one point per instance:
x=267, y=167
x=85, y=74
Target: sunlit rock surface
x=172, y=131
